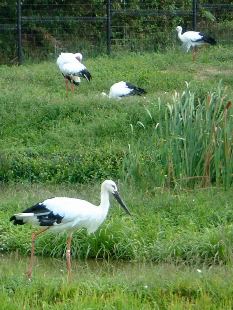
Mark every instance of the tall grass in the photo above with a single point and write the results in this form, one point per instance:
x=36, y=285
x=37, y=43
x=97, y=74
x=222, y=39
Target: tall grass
x=190, y=141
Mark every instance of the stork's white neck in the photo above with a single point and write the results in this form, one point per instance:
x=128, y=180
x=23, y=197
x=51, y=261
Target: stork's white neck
x=180, y=33
x=104, y=202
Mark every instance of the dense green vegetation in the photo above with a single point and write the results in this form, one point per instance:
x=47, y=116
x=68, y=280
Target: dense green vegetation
x=48, y=137
x=57, y=145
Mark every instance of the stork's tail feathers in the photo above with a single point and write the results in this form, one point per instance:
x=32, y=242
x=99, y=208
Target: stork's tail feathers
x=209, y=40
x=76, y=80
x=86, y=74
x=135, y=90
x=139, y=91
x=21, y=218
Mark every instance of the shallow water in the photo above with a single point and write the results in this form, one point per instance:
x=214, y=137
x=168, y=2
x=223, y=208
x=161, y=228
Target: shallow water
x=16, y=265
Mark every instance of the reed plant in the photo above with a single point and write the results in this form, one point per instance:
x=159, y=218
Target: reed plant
x=188, y=142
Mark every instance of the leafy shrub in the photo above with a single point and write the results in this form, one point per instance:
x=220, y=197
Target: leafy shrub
x=60, y=167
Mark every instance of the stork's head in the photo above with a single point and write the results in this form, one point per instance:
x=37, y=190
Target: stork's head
x=179, y=29
x=78, y=56
x=111, y=187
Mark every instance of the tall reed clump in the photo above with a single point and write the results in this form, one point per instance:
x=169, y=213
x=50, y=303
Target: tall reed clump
x=190, y=142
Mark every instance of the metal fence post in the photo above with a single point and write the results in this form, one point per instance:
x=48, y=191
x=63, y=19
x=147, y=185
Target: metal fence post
x=19, y=33
x=109, y=26
x=194, y=14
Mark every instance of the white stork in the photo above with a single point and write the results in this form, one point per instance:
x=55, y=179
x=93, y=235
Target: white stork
x=61, y=214
x=193, y=39
x=72, y=69
x=124, y=89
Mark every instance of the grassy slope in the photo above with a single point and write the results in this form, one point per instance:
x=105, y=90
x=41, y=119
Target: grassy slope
x=43, y=129
x=191, y=227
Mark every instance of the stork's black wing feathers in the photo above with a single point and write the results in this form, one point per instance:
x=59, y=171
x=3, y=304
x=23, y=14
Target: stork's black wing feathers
x=37, y=208
x=16, y=221
x=86, y=74
x=206, y=39
x=45, y=216
x=49, y=219
x=135, y=90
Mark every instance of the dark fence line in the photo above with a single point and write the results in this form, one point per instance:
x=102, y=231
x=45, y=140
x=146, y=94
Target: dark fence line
x=62, y=19
x=19, y=32
x=115, y=24
x=110, y=12
x=219, y=6
x=148, y=12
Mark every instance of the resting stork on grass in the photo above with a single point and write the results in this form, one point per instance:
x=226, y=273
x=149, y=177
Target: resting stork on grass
x=193, y=39
x=61, y=214
x=124, y=89
x=72, y=69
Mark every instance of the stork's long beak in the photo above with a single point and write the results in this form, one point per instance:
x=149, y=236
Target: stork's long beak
x=122, y=204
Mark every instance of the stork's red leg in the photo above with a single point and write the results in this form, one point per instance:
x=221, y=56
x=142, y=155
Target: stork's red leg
x=194, y=53
x=34, y=235
x=72, y=87
x=67, y=86
x=68, y=247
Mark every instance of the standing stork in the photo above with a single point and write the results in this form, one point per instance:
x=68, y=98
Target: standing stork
x=72, y=69
x=124, y=89
x=193, y=39
x=67, y=214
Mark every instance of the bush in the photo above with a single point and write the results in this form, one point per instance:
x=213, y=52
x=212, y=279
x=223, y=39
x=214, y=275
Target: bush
x=60, y=167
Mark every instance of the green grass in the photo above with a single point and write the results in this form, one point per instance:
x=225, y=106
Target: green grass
x=53, y=145
x=48, y=137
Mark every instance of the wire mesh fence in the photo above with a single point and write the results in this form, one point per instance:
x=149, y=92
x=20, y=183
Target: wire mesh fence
x=41, y=29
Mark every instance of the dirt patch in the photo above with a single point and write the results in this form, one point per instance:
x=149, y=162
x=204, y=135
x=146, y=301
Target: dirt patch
x=205, y=73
